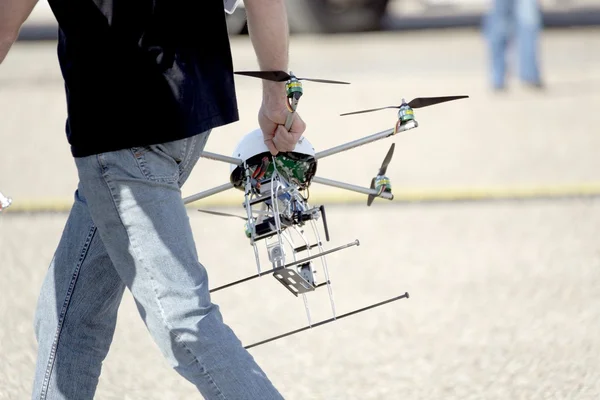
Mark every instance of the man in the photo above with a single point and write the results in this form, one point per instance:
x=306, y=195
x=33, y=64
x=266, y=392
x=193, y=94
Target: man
x=146, y=81
x=520, y=20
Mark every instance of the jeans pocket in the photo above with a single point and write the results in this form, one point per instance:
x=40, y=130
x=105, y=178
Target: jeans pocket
x=160, y=162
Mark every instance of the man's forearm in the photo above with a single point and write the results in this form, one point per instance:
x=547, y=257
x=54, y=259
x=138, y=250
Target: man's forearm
x=5, y=45
x=13, y=13
x=269, y=32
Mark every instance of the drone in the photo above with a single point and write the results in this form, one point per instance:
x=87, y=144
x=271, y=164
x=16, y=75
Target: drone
x=276, y=204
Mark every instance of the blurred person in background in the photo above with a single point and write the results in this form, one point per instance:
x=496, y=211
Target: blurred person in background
x=146, y=81
x=517, y=22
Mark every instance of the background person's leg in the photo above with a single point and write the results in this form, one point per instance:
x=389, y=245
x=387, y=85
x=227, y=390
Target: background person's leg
x=76, y=312
x=144, y=225
x=528, y=27
x=497, y=30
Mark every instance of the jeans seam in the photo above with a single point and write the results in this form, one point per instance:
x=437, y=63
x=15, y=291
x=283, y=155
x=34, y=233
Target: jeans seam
x=63, y=312
x=140, y=160
x=188, y=158
x=218, y=390
x=183, y=150
x=164, y=319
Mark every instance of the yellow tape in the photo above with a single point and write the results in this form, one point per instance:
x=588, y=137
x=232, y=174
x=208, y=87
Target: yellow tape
x=344, y=197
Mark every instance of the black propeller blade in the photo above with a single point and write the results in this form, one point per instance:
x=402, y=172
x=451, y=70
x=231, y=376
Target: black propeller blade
x=419, y=102
x=371, y=196
x=282, y=76
x=369, y=110
x=224, y=214
x=387, y=159
x=382, y=170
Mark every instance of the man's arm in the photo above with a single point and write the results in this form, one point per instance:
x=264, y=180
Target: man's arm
x=269, y=32
x=13, y=13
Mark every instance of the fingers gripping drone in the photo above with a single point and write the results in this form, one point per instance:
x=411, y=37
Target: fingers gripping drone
x=277, y=210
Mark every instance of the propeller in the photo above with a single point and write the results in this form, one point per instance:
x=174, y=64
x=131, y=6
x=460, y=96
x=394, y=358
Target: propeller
x=371, y=197
x=419, y=102
x=282, y=76
x=224, y=214
x=382, y=170
x=386, y=160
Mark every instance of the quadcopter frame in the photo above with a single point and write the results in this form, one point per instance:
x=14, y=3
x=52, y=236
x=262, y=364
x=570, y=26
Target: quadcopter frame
x=265, y=224
x=283, y=209
x=318, y=156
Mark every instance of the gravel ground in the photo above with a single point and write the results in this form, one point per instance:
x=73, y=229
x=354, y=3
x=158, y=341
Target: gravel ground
x=503, y=295
x=503, y=304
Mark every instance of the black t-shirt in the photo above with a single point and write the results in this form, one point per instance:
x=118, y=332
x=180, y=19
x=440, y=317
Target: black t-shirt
x=141, y=72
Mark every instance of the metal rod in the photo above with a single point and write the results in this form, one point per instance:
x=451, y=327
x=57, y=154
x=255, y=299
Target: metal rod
x=220, y=157
x=303, y=260
x=325, y=268
x=208, y=192
x=289, y=120
x=325, y=227
x=240, y=281
x=322, y=284
x=365, y=140
x=405, y=295
x=251, y=225
x=355, y=243
x=290, y=117
x=306, y=247
x=354, y=188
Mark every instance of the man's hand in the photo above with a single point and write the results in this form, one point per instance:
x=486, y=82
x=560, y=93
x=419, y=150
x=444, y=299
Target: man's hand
x=271, y=118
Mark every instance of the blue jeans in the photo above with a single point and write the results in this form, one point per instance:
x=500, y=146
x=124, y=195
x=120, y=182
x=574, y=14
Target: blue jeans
x=129, y=228
x=514, y=19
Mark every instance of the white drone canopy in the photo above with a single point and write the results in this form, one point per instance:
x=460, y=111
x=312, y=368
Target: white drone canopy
x=253, y=144
x=252, y=148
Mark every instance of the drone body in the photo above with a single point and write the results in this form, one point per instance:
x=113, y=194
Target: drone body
x=298, y=166
x=278, y=212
